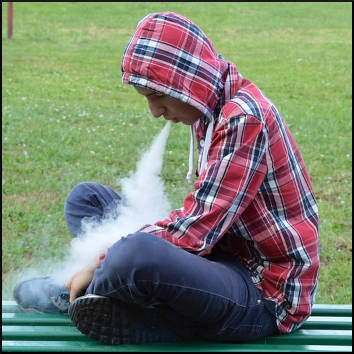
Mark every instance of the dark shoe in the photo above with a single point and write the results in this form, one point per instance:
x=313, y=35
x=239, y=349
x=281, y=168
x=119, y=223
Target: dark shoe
x=113, y=322
x=42, y=295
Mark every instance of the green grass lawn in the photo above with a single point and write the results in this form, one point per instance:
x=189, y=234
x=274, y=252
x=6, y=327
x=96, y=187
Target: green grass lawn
x=67, y=117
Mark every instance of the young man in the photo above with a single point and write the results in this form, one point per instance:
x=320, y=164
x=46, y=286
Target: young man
x=240, y=259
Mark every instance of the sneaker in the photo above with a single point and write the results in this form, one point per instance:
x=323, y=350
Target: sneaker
x=113, y=322
x=42, y=295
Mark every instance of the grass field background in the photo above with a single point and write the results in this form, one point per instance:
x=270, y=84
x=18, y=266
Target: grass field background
x=67, y=117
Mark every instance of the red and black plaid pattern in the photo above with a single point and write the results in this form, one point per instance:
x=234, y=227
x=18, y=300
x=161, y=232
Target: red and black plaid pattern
x=170, y=54
x=255, y=199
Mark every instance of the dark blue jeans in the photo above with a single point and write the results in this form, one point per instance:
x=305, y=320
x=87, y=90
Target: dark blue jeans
x=211, y=297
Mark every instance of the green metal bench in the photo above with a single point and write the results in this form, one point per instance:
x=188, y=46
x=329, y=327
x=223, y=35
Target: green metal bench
x=329, y=328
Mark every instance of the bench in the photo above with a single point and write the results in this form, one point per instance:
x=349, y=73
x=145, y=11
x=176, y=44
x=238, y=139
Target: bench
x=329, y=328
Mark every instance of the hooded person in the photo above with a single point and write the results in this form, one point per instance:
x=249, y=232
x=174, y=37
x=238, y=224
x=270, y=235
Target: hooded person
x=240, y=259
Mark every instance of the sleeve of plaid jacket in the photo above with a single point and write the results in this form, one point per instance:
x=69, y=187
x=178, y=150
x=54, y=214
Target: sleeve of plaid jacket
x=236, y=169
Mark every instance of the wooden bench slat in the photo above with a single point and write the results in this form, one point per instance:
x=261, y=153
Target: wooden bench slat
x=331, y=310
x=42, y=333
x=90, y=346
x=20, y=318
x=327, y=322
x=314, y=337
x=34, y=333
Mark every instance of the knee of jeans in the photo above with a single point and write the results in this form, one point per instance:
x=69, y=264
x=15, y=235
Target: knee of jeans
x=135, y=255
x=79, y=191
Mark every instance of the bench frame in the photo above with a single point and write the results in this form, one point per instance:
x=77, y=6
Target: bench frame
x=329, y=328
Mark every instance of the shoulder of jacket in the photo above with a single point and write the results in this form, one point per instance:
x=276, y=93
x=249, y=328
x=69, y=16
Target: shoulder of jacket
x=246, y=104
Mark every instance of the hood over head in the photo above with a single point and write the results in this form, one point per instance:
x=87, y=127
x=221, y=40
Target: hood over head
x=170, y=54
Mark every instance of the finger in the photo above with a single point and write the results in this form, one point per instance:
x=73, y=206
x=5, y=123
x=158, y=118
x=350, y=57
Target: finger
x=74, y=291
x=68, y=284
x=73, y=294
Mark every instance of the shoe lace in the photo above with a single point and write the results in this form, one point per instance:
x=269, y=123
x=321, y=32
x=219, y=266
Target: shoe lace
x=61, y=301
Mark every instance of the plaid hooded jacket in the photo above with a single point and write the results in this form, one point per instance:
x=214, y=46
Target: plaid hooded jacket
x=254, y=198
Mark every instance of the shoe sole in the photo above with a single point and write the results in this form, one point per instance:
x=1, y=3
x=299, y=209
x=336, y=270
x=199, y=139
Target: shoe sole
x=101, y=318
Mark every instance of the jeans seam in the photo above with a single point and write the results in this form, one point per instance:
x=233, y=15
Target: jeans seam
x=180, y=286
x=202, y=291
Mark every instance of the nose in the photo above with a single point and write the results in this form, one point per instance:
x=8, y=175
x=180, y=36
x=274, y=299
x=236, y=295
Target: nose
x=156, y=109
